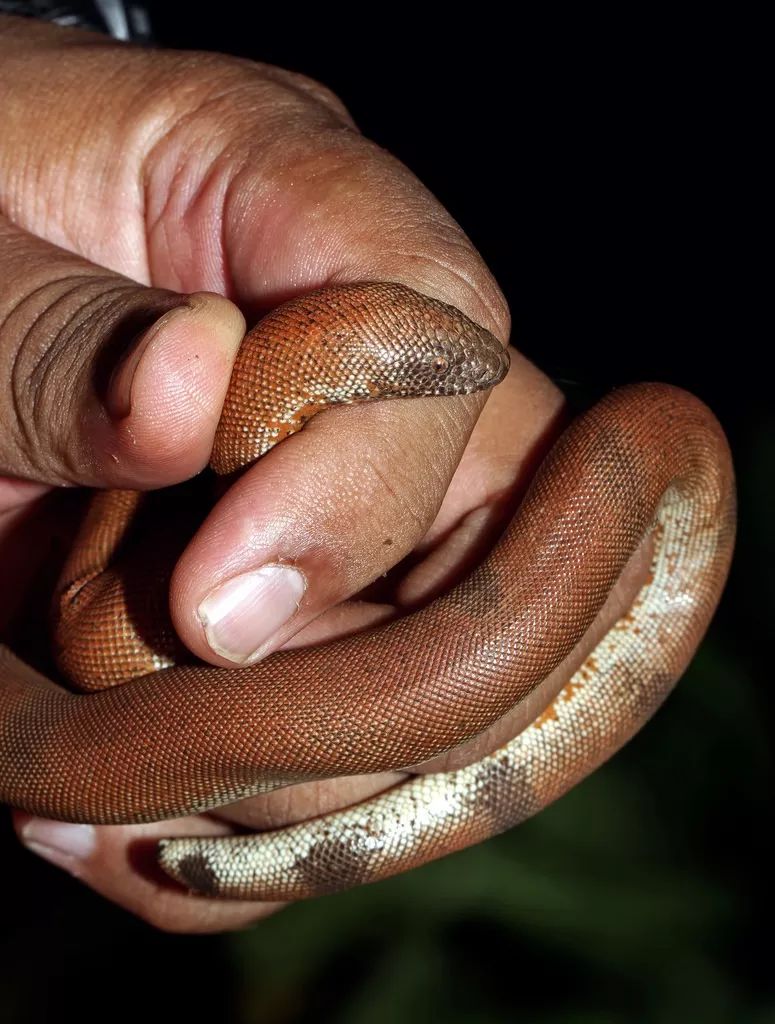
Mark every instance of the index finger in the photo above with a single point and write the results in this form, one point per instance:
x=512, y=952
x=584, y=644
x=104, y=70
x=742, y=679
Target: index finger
x=344, y=501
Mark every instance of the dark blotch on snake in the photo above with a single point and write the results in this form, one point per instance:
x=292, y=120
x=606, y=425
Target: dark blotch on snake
x=195, y=869
x=499, y=786
x=331, y=859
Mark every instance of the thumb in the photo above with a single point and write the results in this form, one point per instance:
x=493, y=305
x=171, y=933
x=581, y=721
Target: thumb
x=104, y=382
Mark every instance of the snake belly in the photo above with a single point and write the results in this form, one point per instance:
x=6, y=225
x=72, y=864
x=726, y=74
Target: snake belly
x=649, y=460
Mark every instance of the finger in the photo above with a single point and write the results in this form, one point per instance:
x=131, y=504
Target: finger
x=119, y=862
x=313, y=523
x=285, y=541
x=104, y=382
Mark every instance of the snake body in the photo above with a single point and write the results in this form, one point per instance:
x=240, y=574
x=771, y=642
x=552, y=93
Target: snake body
x=649, y=460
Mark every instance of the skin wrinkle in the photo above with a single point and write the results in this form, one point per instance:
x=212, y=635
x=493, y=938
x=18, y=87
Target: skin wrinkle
x=26, y=380
x=190, y=118
x=92, y=316
x=209, y=202
x=37, y=377
x=73, y=283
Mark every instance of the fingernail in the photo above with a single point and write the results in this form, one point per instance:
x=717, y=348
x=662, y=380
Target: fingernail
x=59, y=842
x=118, y=398
x=243, y=614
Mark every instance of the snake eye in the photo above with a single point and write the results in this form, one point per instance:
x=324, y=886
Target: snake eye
x=439, y=364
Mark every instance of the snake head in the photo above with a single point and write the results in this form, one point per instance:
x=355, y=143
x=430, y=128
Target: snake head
x=460, y=363
x=434, y=349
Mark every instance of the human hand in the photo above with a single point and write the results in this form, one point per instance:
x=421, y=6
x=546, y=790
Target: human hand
x=201, y=173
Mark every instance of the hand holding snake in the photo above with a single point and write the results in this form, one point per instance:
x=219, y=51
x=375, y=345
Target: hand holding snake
x=419, y=443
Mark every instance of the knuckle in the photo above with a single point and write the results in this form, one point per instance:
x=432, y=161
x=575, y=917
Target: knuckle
x=211, y=118
x=385, y=224
x=292, y=82
x=225, y=94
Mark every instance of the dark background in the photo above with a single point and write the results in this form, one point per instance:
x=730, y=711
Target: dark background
x=607, y=170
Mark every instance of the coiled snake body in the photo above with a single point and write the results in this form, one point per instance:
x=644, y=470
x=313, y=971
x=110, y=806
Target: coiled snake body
x=647, y=459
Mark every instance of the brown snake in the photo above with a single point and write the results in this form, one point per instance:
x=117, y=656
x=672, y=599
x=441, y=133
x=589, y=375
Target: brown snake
x=649, y=459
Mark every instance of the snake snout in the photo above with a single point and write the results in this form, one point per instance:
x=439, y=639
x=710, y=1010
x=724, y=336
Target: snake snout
x=490, y=370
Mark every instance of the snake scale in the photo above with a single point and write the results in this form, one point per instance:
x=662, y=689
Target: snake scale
x=177, y=737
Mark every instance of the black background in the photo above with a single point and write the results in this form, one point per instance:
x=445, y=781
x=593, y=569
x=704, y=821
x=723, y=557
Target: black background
x=607, y=170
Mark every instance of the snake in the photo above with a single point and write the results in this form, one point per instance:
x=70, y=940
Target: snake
x=138, y=730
